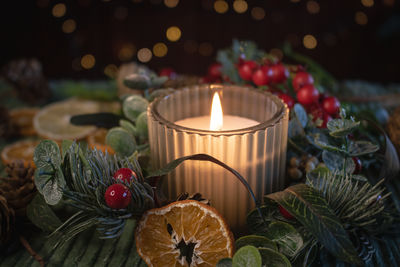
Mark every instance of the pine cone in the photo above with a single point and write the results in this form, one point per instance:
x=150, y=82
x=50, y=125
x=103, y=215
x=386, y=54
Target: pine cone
x=18, y=188
x=27, y=77
x=7, y=220
x=196, y=196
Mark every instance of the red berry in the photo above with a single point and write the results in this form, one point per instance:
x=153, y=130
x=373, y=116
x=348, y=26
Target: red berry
x=260, y=76
x=214, y=70
x=246, y=69
x=331, y=105
x=169, y=72
x=320, y=116
x=117, y=196
x=301, y=79
x=278, y=73
x=358, y=164
x=287, y=99
x=285, y=213
x=307, y=95
x=125, y=174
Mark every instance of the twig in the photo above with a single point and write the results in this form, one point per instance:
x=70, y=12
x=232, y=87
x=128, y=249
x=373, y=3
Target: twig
x=33, y=253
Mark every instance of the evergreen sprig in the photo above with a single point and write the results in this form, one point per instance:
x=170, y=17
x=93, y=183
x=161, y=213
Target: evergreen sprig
x=87, y=174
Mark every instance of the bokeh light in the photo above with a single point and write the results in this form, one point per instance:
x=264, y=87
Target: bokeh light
x=258, y=13
x=111, y=70
x=69, y=26
x=309, y=41
x=171, y=3
x=59, y=10
x=190, y=46
x=221, y=6
x=206, y=49
x=126, y=52
x=144, y=55
x=173, y=34
x=367, y=3
x=88, y=61
x=313, y=7
x=389, y=3
x=361, y=18
x=240, y=6
x=160, y=50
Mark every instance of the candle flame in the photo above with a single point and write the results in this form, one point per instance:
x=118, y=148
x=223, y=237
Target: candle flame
x=216, y=121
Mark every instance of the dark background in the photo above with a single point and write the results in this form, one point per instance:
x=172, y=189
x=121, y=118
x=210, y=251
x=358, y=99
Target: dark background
x=103, y=28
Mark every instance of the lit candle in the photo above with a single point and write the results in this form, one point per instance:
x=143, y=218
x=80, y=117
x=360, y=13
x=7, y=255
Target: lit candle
x=217, y=121
x=251, y=137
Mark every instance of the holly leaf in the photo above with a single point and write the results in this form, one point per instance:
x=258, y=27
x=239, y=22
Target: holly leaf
x=341, y=127
x=247, y=256
x=41, y=215
x=335, y=162
x=359, y=148
x=273, y=258
x=289, y=240
x=312, y=210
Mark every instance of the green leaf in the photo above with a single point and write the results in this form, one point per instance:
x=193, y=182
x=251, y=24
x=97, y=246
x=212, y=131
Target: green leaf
x=289, y=240
x=225, y=262
x=312, y=210
x=335, y=162
x=255, y=241
x=359, y=148
x=52, y=192
x=41, y=215
x=137, y=81
x=127, y=125
x=321, y=142
x=247, y=256
x=133, y=105
x=47, y=155
x=341, y=127
x=65, y=145
x=301, y=114
x=141, y=125
x=157, y=82
x=273, y=258
x=121, y=141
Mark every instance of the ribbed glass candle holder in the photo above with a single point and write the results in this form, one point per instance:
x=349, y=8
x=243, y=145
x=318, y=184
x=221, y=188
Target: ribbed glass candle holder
x=258, y=153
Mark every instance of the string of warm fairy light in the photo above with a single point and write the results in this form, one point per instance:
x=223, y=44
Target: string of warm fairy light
x=174, y=33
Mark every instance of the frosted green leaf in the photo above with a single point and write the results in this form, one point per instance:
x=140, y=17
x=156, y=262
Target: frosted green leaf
x=359, y=148
x=335, y=162
x=287, y=237
x=141, y=125
x=273, y=258
x=52, y=193
x=138, y=81
x=256, y=241
x=127, y=125
x=247, y=256
x=47, y=155
x=121, y=141
x=341, y=127
x=134, y=105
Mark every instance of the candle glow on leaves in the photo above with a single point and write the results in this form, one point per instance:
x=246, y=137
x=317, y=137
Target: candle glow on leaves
x=217, y=120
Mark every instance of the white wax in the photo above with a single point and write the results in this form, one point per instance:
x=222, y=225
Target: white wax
x=230, y=123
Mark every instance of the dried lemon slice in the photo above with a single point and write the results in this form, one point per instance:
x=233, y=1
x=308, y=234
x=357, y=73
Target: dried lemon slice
x=19, y=151
x=184, y=233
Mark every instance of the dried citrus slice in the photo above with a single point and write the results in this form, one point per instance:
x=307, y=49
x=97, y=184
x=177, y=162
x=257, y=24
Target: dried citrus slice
x=184, y=233
x=98, y=140
x=22, y=119
x=19, y=151
x=53, y=121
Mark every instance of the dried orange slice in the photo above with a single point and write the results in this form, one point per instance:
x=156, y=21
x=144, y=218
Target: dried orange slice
x=183, y=233
x=22, y=119
x=98, y=140
x=19, y=151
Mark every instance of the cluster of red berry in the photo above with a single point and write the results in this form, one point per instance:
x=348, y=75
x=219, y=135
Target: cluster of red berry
x=117, y=195
x=322, y=108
